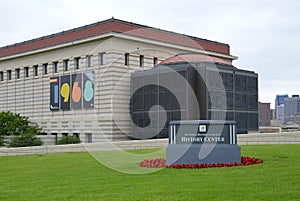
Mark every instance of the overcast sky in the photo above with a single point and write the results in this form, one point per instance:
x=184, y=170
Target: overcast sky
x=264, y=34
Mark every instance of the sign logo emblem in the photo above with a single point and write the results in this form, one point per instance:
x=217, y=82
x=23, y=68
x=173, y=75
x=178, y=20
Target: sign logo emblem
x=202, y=129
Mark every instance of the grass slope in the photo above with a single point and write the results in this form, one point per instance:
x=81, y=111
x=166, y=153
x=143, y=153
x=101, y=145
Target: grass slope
x=78, y=176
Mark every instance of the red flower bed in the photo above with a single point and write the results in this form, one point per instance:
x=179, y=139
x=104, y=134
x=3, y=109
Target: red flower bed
x=161, y=163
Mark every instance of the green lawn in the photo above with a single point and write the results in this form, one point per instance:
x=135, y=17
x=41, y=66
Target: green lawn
x=78, y=176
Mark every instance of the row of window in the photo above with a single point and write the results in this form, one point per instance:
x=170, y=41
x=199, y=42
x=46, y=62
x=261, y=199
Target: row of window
x=141, y=60
x=66, y=67
x=88, y=136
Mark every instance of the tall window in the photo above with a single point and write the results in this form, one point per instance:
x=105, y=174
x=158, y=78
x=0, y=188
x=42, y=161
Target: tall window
x=90, y=61
x=9, y=75
x=155, y=61
x=66, y=65
x=26, y=71
x=55, y=67
x=88, y=137
x=35, y=70
x=45, y=67
x=141, y=60
x=126, y=59
x=17, y=73
x=102, y=58
x=77, y=61
x=1, y=76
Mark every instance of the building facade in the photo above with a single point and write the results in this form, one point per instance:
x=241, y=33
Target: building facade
x=265, y=114
x=193, y=86
x=279, y=107
x=280, y=99
x=77, y=82
x=292, y=110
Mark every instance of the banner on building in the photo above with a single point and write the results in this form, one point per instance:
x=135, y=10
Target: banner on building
x=88, y=88
x=65, y=92
x=54, y=93
x=76, y=91
x=73, y=91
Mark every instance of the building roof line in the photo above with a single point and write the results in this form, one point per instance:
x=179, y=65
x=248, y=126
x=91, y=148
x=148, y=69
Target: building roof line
x=103, y=22
x=119, y=35
x=55, y=34
x=167, y=31
x=106, y=26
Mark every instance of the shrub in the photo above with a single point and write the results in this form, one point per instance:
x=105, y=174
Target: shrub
x=25, y=141
x=1, y=140
x=72, y=139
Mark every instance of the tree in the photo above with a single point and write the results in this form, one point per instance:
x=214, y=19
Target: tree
x=21, y=128
x=15, y=124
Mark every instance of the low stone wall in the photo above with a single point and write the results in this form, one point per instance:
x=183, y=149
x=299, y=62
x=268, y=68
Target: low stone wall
x=84, y=147
x=269, y=129
x=243, y=139
x=269, y=138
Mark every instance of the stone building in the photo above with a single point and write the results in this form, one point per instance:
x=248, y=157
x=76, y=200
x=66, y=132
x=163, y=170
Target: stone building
x=77, y=82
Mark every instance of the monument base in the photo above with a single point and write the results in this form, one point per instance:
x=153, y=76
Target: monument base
x=202, y=153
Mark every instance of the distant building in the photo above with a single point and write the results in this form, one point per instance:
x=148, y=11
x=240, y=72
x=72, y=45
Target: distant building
x=273, y=114
x=264, y=114
x=280, y=113
x=292, y=109
x=293, y=120
x=280, y=99
x=276, y=123
x=279, y=107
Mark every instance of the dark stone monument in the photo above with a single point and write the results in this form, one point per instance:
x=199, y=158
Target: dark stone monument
x=202, y=141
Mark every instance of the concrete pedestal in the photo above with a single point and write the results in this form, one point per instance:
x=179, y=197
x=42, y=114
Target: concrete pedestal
x=202, y=153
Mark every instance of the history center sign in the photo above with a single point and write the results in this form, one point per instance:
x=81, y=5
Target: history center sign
x=202, y=141
x=193, y=132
